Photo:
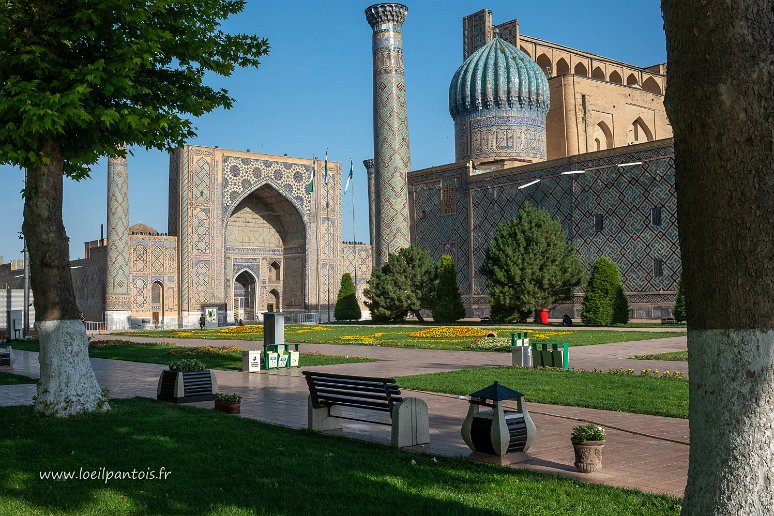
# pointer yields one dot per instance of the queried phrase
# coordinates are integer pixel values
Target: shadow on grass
(225, 464)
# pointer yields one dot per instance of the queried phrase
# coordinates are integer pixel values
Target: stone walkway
(643, 452)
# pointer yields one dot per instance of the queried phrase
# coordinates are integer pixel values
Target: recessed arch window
(274, 272)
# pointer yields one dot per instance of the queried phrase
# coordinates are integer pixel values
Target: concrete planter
(228, 407)
(588, 455)
(185, 387)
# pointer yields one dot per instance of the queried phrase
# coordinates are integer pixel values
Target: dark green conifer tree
(347, 307)
(448, 305)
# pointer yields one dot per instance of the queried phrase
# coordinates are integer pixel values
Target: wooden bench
(328, 393)
(668, 320)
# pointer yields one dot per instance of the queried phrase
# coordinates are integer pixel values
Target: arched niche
(580, 69)
(544, 62)
(266, 234)
(652, 86)
(615, 77)
(562, 67)
(598, 74)
(639, 132)
(603, 136)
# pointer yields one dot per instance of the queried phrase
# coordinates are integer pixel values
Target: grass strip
(675, 356)
(7, 378)
(222, 464)
(165, 353)
(608, 391)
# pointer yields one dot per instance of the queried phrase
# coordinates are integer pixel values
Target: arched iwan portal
(266, 236)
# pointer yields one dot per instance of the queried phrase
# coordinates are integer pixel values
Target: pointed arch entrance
(265, 245)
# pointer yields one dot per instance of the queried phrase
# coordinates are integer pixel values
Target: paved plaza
(644, 452)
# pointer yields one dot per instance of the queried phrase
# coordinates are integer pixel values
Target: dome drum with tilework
(499, 99)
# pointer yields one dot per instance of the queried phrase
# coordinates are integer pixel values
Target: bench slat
(321, 391)
(348, 402)
(317, 374)
(353, 383)
(393, 391)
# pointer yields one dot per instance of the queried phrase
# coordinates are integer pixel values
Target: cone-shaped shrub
(604, 302)
(447, 306)
(347, 307)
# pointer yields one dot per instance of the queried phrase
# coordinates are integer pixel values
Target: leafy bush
(447, 306)
(347, 307)
(405, 284)
(228, 397)
(186, 365)
(604, 302)
(588, 433)
(679, 312)
(530, 264)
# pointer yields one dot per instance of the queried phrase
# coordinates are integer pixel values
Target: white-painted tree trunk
(732, 406)
(68, 385)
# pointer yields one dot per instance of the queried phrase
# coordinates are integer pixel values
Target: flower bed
(248, 328)
(450, 331)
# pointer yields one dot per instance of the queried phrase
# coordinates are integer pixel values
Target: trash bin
(543, 315)
(548, 354)
(521, 353)
(497, 431)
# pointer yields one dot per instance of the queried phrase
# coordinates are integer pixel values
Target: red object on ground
(543, 315)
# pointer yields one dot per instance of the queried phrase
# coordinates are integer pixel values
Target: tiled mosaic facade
(242, 211)
(392, 156)
(358, 262)
(153, 259)
(117, 284)
(623, 196)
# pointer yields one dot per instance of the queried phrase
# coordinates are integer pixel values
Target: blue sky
(314, 91)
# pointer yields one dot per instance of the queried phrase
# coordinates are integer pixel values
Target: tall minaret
(369, 166)
(391, 138)
(117, 305)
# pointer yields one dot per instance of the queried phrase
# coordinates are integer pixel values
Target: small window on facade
(448, 199)
(655, 216)
(658, 267)
(599, 223)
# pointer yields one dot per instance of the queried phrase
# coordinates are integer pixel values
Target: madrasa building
(583, 136)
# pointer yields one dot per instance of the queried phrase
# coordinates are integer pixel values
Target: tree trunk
(719, 99)
(67, 382)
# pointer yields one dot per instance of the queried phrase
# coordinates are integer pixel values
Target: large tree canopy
(405, 284)
(94, 76)
(80, 79)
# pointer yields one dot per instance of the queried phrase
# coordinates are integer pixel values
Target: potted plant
(229, 403)
(588, 441)
(185, 381)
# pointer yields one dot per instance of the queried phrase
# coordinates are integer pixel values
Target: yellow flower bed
(309, 329)
(249, 328)
(358, 338)
(377, 335)
(450, 331)
(544, 334)
(183, 334)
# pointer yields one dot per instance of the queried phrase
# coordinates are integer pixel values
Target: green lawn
(229, 359)
(14, 379)
(220, 464)
(400, 337)
(672, 355)
(608, 391)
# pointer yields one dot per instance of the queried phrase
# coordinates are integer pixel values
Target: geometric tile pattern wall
(153, 259)
(358, 262)
(392, 157)
(439, 232)
(623, 195)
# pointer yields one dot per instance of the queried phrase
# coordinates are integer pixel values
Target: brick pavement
(643, 452)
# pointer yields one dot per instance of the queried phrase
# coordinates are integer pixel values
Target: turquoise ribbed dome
(499, 100)
(497, 76)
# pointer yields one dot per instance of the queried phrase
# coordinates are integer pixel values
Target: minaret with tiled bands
(392, 156)
(117, 303)
(369, 166)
